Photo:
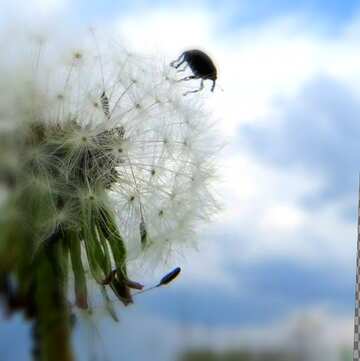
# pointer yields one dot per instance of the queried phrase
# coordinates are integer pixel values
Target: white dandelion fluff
(102, 145)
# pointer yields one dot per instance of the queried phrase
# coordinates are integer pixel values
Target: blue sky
(242, 11)
(285, 243)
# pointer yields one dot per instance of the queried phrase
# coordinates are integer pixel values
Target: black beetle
(201, 65)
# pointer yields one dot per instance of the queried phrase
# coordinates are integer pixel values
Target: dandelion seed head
(105, 129)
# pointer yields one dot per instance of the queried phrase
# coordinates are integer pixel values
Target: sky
(283, 249)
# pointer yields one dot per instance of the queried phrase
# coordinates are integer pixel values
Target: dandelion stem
(52, 321)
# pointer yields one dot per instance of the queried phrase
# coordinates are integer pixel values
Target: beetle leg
(183, 69)
(197, 90)
(189, 78)
(181, 62)
(178, 59)
(213, 85)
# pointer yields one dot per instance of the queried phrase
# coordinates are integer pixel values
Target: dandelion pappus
(201, 65)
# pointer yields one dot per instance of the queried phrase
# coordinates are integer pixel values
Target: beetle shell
(201, 64)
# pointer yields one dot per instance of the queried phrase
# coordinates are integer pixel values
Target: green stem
(52, 322)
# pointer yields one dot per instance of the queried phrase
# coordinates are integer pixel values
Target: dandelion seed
(105, 104)
(77, 55)
(170, 276)
(143, 233)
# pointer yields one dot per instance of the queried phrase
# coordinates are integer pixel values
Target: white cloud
(265, 205)
(315, 331)
(256, 64)
(33, 12)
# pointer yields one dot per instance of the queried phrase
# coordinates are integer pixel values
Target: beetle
(201, 65)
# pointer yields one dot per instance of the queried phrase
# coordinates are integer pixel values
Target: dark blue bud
(170, 276)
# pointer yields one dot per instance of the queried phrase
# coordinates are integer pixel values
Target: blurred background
(273, 277)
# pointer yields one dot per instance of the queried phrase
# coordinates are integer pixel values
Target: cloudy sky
(283, 249)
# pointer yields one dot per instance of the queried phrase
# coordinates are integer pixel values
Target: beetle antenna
(176, 61)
